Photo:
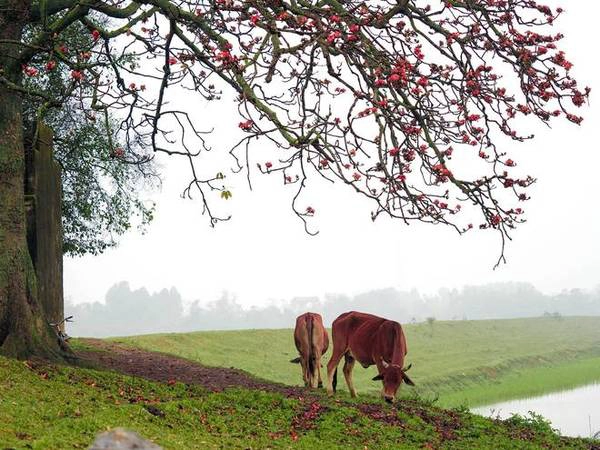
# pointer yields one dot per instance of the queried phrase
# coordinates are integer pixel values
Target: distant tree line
(128, 312)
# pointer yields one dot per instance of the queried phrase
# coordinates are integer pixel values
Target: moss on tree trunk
(24, 330)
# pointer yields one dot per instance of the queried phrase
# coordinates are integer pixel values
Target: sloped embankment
(183, 405)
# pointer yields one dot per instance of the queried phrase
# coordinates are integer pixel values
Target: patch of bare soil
(167, 368)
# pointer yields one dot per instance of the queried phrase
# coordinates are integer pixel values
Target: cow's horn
(407, 368)
(384, 363)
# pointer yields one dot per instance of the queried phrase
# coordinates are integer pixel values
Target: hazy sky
(263, 252)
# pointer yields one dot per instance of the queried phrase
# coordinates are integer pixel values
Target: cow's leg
(336, 356)
(318, 369)
(348, 366)
(305, 374)
(313, 372)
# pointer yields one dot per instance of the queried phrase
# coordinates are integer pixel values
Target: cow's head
(392, 376)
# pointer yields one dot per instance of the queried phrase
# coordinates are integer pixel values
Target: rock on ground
(121, 439)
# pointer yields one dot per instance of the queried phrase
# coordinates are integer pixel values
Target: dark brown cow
(369, 340)
(312, 341)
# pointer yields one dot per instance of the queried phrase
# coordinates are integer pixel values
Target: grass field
(49, 407)
(463, 362)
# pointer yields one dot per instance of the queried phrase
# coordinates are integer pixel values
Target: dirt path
(162, 367)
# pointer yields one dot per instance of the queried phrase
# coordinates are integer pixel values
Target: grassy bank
(52, 407)
(461, 362)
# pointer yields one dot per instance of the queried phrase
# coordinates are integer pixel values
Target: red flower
(333, 36)
(409, 154)
(246, 126)
(418, 53)
(394, 151)
(30, 71)
(310, 210)
(77, 75)
(224, 55)
(356, 176)
(510, 163)
(423, 81)
(172, 60)
(50, 65)
(354, 28)
(442, 171)
(268, 165)
(578, 99)
(95, 35)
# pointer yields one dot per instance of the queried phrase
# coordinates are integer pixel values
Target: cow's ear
(407, 380)
(378, 377)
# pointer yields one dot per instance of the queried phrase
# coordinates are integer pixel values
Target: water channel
(575, 412)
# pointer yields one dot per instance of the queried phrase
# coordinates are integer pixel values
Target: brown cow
(312, 341)
(369, 340)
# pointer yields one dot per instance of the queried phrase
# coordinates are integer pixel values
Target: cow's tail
(312, 358)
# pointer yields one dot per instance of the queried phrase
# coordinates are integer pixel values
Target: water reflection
(575, 412)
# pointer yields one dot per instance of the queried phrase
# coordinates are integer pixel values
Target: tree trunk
(24, 330)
